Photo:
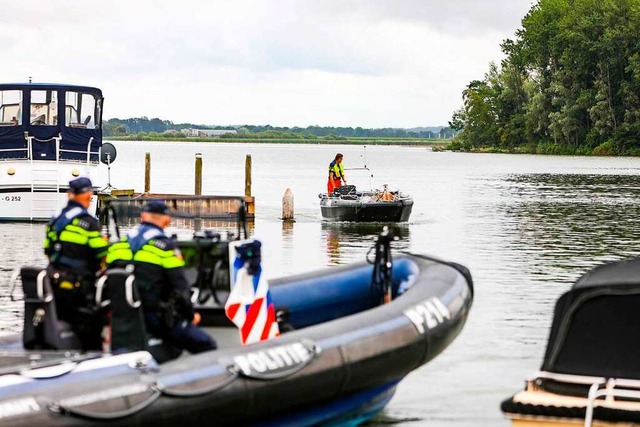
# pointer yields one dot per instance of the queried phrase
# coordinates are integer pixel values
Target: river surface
(527, 227)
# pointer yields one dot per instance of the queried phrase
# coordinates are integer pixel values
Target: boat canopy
(596, 325)
(41, 121)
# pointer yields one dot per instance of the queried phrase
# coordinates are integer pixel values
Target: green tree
(570, 78)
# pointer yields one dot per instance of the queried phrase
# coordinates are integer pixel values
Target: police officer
(76, 252)
(160, 278)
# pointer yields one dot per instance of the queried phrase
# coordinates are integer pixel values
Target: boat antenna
(364, 149)
(364, 156)
(30, 79)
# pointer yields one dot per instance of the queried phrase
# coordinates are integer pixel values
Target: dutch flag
(249, 305)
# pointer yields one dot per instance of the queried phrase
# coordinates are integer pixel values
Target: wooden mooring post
(249, 200)
(198, 186)
(247, 176)
(147, 172)
(287, 205)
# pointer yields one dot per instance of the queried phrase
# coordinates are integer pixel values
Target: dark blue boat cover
(73, 139)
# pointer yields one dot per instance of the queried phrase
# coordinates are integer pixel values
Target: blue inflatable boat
(348, 336)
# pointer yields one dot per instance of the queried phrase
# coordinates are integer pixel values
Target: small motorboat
(348, 335)
(49, 134)
(590, 375)
(348, 204)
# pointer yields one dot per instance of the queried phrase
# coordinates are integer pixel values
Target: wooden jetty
(197, 206)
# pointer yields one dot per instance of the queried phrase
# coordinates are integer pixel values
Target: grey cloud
(122, 43)
(327, 35)
(454, 16)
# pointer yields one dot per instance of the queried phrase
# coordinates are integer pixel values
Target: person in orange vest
(336, 174)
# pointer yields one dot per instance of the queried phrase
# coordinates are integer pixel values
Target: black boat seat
(128, 331)
(42, 328)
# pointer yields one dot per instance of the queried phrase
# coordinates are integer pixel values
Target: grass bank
(546, 148)
(318, 140)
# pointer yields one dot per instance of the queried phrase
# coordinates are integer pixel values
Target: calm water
(526, 226)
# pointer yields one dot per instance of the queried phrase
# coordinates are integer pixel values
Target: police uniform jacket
(73, 242)
(159, 269)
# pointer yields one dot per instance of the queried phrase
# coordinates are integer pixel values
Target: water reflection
(525, 228)
(287, 230)
(346, 242)
(574, 220)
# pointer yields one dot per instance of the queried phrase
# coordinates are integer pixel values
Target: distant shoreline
(416, 142)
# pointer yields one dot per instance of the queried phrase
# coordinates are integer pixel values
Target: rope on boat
(158, 390)
(232, 369)
(44, 140)
(65, 410)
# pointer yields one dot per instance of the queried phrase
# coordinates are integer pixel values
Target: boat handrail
(44, 294)
(582, 379)
(30, 140)
(59, 151)
(26, 149)
(609, 393)
(12, 284)
(8, 150)
(628, 388)
(565, 378)
(88, 152)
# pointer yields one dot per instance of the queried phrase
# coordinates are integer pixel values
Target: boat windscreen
(10, 107)
(82, 110)
(44, 108)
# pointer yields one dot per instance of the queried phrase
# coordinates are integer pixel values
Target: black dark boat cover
(596, 325)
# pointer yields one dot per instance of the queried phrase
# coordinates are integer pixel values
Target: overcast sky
(368, 63)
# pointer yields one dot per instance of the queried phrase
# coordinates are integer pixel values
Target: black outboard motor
(381, 281)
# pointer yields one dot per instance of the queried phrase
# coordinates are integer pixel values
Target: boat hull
(36, 190)
(336, 209)
(537, 407)
(339, 363)
(563, 412)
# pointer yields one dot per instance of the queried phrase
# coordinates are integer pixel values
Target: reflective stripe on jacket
(158, 268)
(336, 170)
(70, 235)
(148, 244)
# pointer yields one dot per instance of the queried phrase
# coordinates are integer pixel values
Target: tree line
(132, 126)
(569, 84)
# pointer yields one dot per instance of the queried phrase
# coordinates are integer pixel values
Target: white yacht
(49, 134)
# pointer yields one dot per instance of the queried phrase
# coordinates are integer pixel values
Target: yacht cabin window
(10, 107)
(44, 108)
(81, 111)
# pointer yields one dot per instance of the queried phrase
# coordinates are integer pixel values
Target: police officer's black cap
(156, 206)
(80, 185)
